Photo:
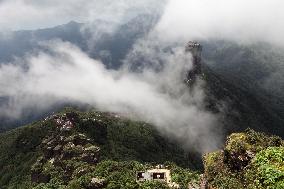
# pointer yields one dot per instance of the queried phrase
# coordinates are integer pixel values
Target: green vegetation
(267, 169)
(249, 160)
(18, 151)
(74, 150)
(102, 150)
(183, 176)
(122, 174)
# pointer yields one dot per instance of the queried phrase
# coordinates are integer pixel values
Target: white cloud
(33, 14)
(159, 97)
(240, 20)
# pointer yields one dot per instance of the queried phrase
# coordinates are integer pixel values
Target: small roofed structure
(192, 44)
(161, 175)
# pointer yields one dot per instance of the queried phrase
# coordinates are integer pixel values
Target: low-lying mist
(158, 96)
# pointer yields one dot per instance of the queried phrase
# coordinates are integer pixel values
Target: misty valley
(125, 95)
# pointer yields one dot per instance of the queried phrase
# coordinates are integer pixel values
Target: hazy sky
(33, 14)
(243, 20)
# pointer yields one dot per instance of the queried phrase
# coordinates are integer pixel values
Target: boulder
(97, 183)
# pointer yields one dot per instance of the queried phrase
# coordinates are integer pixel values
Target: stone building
(162, 175)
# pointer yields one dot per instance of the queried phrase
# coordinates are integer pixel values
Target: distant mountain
(256, 68)
(121, 41)
(21, 42)
(241, 108)
(115, 44)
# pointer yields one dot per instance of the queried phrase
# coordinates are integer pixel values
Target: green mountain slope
(257, 68)
(69, 149)
(93, 149)
(240, 107)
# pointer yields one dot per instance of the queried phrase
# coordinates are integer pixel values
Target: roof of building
(192, 44)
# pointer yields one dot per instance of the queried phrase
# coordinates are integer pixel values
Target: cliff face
(240, 108)
(195, 49)
(255, 67)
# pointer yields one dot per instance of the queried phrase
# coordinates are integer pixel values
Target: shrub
(267, 169)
